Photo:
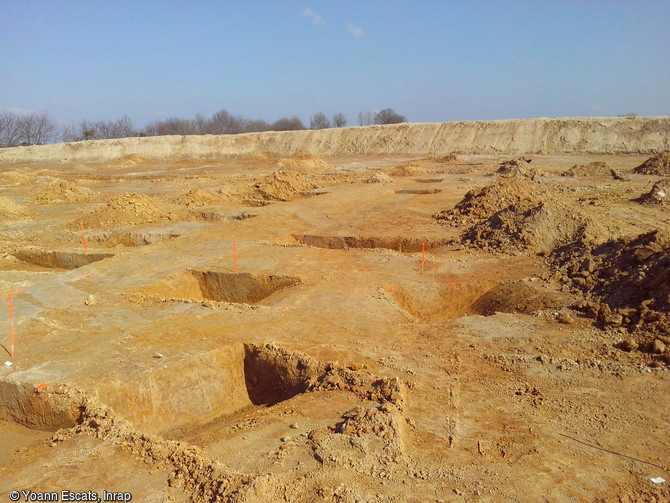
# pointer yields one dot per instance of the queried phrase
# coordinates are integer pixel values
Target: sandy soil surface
(352, 328)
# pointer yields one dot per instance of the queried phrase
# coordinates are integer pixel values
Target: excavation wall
(644, 135)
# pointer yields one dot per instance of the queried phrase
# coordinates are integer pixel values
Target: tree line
(39, 127)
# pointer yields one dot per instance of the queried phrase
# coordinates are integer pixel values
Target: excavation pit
(198, 389)
(37, 407)
(396, 243)
(428, 180)
(418, 191)
(131, 238)
(200, 285)
(456, 299)
(441, 302)
(60, 259)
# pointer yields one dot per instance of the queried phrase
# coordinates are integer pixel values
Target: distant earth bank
(621, 135)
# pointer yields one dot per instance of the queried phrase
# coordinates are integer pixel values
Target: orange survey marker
(83, 236)
(11, 321)
(423, 258)
(234, 254)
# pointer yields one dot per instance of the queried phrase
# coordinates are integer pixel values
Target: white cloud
(316, 19)
(355, 30)
(20, 111)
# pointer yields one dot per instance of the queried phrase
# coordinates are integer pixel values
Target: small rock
(657, 347)
(629, 345)
(614, 319)
(617, 175)
(294, 426)
(90, 301)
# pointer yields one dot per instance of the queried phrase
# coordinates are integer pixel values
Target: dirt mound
(201, 197)
(445, 159)
(63, 191)
(15, 178)
(131, 160)
(657, 165)
(628, 281)
(378, 178)
(9, 209)
(283, 185)
(596, 168)
(659, 195)
(519, 168)
(304, 162)
(518, 297)
(483, 202)
(408, 169)
(538, 228)
(131, 209)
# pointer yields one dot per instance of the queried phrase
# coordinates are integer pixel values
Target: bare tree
(31, 129)
(319, 121)
(69, 133)
(170, 126)
(286, 124)
(388, 116)
(105, 130)
(339, 120)
(365, 119)
(9, 131)
(200, 124)
(223, 122)
(256, 126)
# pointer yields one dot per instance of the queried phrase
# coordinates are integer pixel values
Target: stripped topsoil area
(431, 327)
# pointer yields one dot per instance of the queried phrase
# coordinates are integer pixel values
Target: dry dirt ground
(330, 329)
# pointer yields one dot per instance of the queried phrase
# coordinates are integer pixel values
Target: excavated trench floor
(58, 259)
(199, 285)
(219, 400)
(399, 244)
(418, 191)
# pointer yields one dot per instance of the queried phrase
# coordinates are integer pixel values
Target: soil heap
(131, 209)
(537, 229)
(483, 202)
(15, 178)
(408, 169)
(9, 209)
(283, 185)
(130, 160)
(63, 191)
(657, 165)
(516, 214)
(520, 168)
(659, 195)
(378, 178)
(596, 168)
(201, 197)
(445, 159)
(518, 297)
(628, 281)
(304, 162)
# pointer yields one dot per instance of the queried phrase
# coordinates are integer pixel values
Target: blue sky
(431, 61)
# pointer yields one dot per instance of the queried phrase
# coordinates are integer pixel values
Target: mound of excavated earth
(484, 202)
(131, 209)
(657, 165)
(628, 280)
(659, 195)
